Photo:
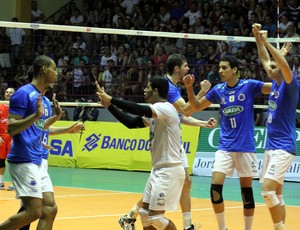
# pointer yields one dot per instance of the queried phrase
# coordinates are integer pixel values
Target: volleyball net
(121, 60)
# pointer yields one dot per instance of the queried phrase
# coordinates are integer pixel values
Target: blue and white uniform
(237, 145)
(25, 157)
(281, 130)
(174, 94)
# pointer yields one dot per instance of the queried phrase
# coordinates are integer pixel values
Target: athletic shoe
(2, 187)
(126, 223)
(11, 187)
(194, 227)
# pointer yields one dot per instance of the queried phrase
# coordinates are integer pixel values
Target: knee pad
(2, 163)
(144, 214)
(159, 222)
(280, 198)
(216, 191)
(248, 199)
(270, 198)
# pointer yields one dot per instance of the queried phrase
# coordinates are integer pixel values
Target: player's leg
(248, 201)
(49, 205)
(247, 168)
(26, 227)
(49, 212)
(273, 182)
(2, 169)
(127, 221)
(185, 201)
(216, 195)
(223, 165)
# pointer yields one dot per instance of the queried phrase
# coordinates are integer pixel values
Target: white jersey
(165, 135)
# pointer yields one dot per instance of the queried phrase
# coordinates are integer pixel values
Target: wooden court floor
(98, 209)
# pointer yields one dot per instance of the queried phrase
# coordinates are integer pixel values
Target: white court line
(79, 195)
(120, 214)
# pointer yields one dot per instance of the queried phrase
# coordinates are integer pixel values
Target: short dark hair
(39, 62)
(174, 60)
(232, 60)
(161, 84)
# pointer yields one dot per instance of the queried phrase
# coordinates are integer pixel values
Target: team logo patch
(161, 200)
(241, 97)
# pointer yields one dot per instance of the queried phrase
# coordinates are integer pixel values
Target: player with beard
(27, 119)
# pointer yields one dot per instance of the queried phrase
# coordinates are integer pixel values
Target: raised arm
(17, 124)
(197, 105)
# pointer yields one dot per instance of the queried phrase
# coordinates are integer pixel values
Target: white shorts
(184, 158)
(30, 180)
(275, 165)
(163, 189)
(244, 163)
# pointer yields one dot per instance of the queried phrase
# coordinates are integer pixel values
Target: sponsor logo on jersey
(233, 110)
(272, 105)
(40, 124)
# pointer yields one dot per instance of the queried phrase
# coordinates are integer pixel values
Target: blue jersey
(281, 125)
(27, 146)
(48, 111)
(174, 93)
(236, 110)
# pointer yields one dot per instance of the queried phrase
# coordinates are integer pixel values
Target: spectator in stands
(80, 55)
(192, 14)
(95, 58)
(177, 10)
(213, 75)
(17, 38)
(107, 56)
(46, 42)
(107, 76)
(261, 12)
(21, 77)
(79, 43)
(226, 23)
(293, 7)
(217, 12)
(65, 115)
(291, 32)
(76, 19)
(164, 15)
(4, 49)
(205, 9)
(37, 16)
(284, 24)
(78, 79)
(243, 26)
(88, 113)
(160, 56)
(270, 27)
(128, 5)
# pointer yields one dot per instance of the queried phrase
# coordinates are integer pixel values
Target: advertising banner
(208, 144)
(111, 145)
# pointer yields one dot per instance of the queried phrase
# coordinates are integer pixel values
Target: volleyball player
(280, 148)
(5, 139)
(167, 171)
(236, 149)
(26, 122)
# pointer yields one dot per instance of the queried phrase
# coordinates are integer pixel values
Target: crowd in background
(123, 64)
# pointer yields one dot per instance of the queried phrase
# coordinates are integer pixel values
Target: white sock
(1, 178)
(134, 212)
(277, 225)
(187, 219)
(248, 220)
(221, 220)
